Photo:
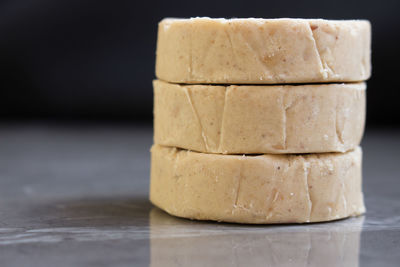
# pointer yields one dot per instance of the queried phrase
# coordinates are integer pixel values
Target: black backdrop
(95, 59)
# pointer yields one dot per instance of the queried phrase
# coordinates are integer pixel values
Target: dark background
(94, 60)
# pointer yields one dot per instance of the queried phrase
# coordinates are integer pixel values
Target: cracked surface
(203, 135)
(324, 67)
(263, 51)
(235, 204)
(257, 189)
(285, 108)
(306, 167)
(259, 119)
(221, 128)
(337, 128)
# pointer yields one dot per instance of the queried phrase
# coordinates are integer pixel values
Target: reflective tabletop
(77, 195)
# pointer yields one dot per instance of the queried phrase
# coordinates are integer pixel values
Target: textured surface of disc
(263, 51)
(259, 119)
(257, 189)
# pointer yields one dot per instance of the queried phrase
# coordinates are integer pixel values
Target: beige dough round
(263, 51)
(256, 189)
(255, 119)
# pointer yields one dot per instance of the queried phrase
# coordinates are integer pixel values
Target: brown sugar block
(263, 51)
(246, 119)
(257, 189)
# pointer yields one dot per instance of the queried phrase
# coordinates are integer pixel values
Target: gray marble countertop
(76, 195)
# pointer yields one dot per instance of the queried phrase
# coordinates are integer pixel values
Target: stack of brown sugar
(259, 120)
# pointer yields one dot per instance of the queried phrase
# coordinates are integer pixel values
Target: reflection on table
(180, 242)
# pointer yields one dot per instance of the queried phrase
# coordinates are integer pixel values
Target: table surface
(77, 195)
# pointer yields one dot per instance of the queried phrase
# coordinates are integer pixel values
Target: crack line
(190, 55)
(204, 137)
(339, 134)
(306, 167)
(222, 122)
(324, 66)
(238, 187)
(284, 121)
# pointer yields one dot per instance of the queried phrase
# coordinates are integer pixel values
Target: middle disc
(257, 119)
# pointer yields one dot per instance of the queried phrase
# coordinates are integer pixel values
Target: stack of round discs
(259, 120)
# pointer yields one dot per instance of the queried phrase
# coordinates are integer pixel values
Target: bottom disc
(257, 188)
